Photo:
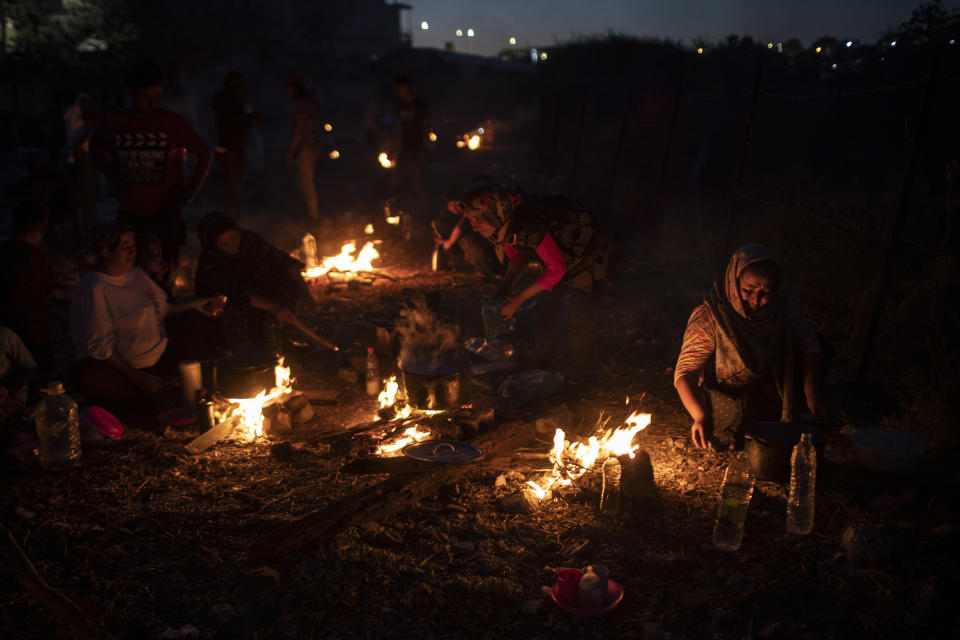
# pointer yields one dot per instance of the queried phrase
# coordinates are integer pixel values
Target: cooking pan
(768, 446)
(244, 375)
(432, 391)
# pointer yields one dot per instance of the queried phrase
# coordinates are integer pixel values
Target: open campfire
(573, 460)
(348, 263)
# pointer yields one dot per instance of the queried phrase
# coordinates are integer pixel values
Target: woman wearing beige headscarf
(744, 351)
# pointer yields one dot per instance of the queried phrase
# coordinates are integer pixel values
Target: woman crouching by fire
(261, 284)
(748, 351)
(574, 251)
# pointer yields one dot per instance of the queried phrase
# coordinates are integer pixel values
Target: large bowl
(888, 450)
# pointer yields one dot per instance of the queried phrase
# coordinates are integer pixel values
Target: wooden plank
(380, 500)
(209, 438)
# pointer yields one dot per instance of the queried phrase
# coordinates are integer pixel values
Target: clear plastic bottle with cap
(373, 372)
(735, 495)
(610, 492)
(58, 429)
(803, 483)
(592, 590)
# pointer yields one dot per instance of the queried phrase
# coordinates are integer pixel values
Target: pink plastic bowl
(103, 421)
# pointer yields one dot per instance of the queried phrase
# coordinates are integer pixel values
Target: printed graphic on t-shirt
(142, 157)
(156, 311)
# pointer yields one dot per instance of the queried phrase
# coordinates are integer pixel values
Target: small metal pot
(244, 375)
(768, 446)
(432, 392)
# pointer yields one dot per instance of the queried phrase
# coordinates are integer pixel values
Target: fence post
(662, 179)
(553, 139)
(576, 148)
(889, 264)
(744, 156)
(616, 154)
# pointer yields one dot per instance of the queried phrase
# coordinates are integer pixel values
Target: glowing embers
(248, 412)
(572, 460)
(346, 262)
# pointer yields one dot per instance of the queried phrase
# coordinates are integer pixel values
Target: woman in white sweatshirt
(117, 324)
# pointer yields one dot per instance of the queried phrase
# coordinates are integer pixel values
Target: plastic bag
(520, 388)
(494, 325)
(490, 350)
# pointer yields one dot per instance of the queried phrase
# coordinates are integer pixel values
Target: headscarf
(212, 226)
(494, 201)
(752, 347)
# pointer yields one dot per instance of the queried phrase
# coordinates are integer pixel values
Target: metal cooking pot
(433, 392)
(244, 375)
(768, 446)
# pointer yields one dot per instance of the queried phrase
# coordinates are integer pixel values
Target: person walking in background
(305, 142)
(410, 145)
(80, 118)
(142, 151)
(232, 120)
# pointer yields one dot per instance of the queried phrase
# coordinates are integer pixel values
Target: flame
(410, 435)
(388, 396)
(345, 261)
(368, 229)
(618, 441)
(385, 160)
(473, 142)
(572, 460)
(538, 492)
(248, 412)
(393, 220)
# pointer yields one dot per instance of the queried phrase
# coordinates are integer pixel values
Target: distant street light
(849, 43)
(818, 49)
(513, 40)
(543, 56)
(470, 33)
(424, 25)
(700, 50)
(459, 33)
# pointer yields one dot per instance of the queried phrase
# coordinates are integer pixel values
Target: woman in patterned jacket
(574, 251)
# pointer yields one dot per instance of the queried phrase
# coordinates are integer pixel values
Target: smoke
(428, 345)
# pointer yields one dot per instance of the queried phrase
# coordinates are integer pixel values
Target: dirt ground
(150, 540)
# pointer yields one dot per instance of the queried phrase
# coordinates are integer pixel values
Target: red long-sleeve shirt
(554, 266)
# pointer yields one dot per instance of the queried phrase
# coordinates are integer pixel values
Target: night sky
(542, 22)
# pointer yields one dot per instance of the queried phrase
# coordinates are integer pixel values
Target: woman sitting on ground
(261, 284)
(744, 352)
(117, 323)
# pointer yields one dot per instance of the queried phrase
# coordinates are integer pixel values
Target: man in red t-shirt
(142, 151)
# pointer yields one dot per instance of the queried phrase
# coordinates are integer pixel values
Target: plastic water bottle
(591, 590)
(610, 493)
(308, 245)
(373, 373)
(58, 429)
(803, 482)
(735, 498)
